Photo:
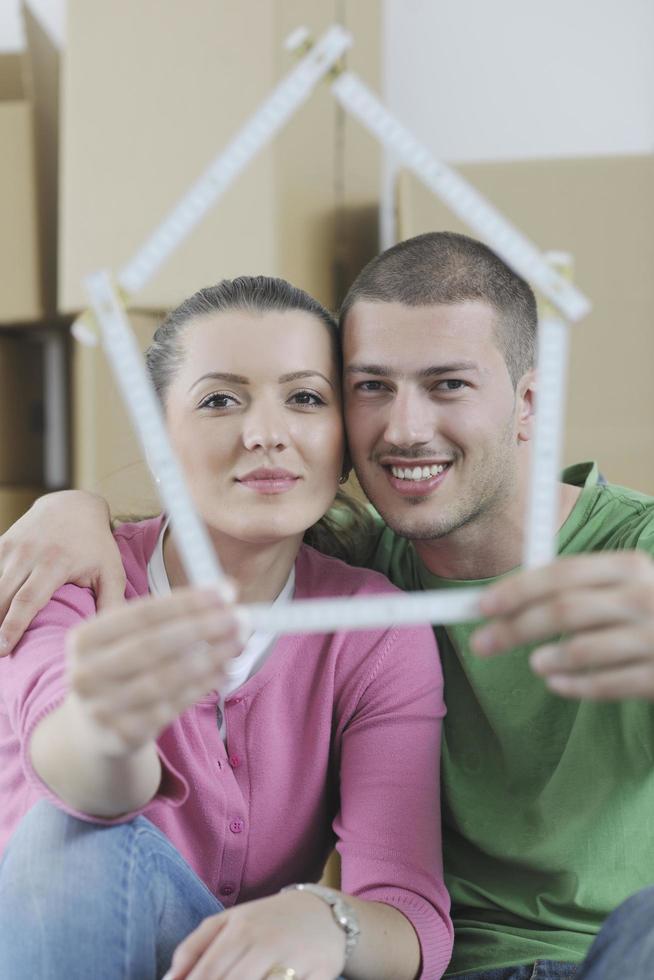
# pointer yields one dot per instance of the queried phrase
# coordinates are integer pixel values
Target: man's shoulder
(611, 517)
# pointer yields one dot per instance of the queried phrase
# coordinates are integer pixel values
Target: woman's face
(254, 415)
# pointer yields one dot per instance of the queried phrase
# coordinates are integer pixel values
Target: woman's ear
(525, 403)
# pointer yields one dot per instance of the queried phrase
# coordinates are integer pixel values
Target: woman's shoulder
(136, 541)
(318, 575)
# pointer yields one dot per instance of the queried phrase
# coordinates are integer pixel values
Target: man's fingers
(563, 575)
(632, 681)
(594, 650)
(109, 588)
(574, 612)
(27, 600)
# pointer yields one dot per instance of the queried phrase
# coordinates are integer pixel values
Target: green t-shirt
(548, 804)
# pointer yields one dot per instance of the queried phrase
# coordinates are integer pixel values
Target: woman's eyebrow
(240, 379)
(234, 379)
(298, 375)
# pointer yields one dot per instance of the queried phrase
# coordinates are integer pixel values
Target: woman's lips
(268, 481)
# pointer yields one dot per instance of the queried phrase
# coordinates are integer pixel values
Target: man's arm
(63, 537)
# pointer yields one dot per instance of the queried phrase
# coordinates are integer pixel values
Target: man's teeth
(417, 472)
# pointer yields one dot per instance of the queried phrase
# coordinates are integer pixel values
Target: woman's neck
(259, 571)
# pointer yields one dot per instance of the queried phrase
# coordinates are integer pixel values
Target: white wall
(51, 13)
(512, 79)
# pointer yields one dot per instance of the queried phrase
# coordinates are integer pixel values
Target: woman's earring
(343, 478)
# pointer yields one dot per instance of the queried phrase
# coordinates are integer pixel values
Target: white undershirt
(258, 647)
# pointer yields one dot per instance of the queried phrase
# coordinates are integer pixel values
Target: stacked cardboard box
(140, 121)
(21, 288)
(601, 210)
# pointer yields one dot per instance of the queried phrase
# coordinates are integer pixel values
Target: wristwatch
(344, 915)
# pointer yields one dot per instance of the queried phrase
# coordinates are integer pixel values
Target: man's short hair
(444, 267)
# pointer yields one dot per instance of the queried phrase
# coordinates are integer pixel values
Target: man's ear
(525, 400)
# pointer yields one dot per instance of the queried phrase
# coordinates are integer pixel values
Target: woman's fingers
(149, 651)
(112, 625)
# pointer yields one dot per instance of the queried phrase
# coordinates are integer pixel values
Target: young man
(548, 782)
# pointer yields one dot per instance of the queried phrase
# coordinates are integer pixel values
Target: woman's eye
(218, 401)
(309, 398)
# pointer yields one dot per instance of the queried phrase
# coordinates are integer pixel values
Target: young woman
(163, 779)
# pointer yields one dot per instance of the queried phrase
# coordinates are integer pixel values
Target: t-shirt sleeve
(388, 827)
(33, 684)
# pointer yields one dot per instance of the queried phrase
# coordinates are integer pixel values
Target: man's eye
(218, 400)
(369, 386)
(451, 384)
(309, 398)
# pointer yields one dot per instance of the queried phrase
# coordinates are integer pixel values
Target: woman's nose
(264, 428)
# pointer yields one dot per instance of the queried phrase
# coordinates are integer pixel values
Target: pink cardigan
(335, 738)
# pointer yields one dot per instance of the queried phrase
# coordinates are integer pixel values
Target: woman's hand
(294, 930)
(63, 537)
(134, 669)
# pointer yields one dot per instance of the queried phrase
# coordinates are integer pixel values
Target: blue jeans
(623, 950)
(78, 900)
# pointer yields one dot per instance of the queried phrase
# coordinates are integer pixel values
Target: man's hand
(293, 930)
(602, 607)
(63, 537)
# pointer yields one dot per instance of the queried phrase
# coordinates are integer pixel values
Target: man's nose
(410, 420)
(264, 427)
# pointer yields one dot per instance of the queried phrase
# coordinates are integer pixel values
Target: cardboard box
(602, 211)
(21, 409)
(20, 289)
(107, 456)
(14, 501)
(134, 139)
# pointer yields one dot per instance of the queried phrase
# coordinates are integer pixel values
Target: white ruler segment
(198, 555)
(544, 491)
(460, 196)
(331, 615)
(273, 113)
(196, 549)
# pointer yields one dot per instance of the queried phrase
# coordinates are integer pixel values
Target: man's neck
(488, 546)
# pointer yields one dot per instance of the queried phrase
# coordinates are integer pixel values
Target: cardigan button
(236, 826)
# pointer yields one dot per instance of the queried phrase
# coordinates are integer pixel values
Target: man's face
(433, 420)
